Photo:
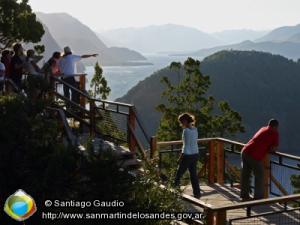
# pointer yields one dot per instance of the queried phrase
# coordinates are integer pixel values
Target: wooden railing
(114, 121)
(218, 166)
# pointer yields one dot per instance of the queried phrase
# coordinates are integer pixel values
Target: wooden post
(92, 118)
(82, 88)
(221, 218)
(211, 166)
(220, 162)
(131, 123)
(153, 147)
(266, 176)
(210, 218)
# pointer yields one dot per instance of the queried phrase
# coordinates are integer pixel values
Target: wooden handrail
(206, 140)
(283, 199)
(232, 206)
(112, 103)
(71, 87)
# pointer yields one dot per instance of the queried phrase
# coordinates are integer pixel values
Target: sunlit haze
(206, 15)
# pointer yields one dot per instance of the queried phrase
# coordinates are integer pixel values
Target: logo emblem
(20, 206)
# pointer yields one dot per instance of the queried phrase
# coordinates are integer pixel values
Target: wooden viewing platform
(220, 200)
(217, 196)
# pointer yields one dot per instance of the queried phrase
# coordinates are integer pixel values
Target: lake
(122, 78)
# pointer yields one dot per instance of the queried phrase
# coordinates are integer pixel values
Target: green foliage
(39, 49)
(295, 182)
(99, 84)
(189, 95)
(36, 87)
(34, 157)
(18, 23)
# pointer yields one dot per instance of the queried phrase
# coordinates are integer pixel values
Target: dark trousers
(250, 165)
(75, 96)
(189, 162)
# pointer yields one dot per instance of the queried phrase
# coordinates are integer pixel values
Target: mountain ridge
(258, 85)
(71, 32)
(161, 38)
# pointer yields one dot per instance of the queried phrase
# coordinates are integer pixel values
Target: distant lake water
(122, 78)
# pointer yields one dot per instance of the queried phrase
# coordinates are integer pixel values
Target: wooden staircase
(82, 118)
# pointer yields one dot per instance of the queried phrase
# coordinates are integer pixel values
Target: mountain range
(163, 38)
(290, 50)
(257, 85)
(283, 34)
(66, 30)
(174, 38)
(236, 36)
(114, 46)
(283, 41)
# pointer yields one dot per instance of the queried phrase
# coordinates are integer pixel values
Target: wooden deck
(217, 195)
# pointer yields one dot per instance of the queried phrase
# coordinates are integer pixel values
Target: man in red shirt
(264, 141)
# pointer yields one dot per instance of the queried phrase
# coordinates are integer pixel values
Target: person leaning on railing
(68, 69)
(190, 152)
(264, 141)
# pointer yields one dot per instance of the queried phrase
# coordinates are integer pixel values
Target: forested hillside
(257, 85)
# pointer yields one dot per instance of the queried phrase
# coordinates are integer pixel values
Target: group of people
(252, 156)
(15, 64)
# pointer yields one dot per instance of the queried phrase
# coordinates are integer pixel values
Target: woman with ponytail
(190, 152)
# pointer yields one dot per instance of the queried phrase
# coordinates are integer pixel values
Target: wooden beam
(220, 162)
(221, 217)
(153, 147)
(211, 167)
(266, 178)
(92, 118)
(210, 217)
(82, 83)
(268, 201)
(278, 185)
(131, 128)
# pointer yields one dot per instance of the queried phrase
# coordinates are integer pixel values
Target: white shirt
(68, 64)
(2, 71)
(190, 141)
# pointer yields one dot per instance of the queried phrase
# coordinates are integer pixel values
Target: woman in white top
(190, 152)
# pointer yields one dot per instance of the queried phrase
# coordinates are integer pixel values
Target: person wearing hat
(68, 69)
(264, 141)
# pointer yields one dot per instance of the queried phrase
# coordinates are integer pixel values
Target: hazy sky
(206, 15)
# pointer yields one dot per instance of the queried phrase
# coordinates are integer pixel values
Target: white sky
(206, 15)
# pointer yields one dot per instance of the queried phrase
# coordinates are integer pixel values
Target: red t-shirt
(259, 146)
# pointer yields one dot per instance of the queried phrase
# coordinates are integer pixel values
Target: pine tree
(99, 84)
(190, 95)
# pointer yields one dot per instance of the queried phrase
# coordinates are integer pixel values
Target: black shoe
(197, 196)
